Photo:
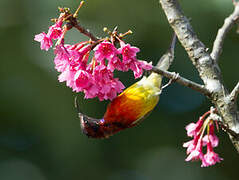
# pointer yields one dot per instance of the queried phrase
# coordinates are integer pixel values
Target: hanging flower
(93, 76)
(195, 146)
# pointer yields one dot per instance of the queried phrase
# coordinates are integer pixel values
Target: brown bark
(208, 69)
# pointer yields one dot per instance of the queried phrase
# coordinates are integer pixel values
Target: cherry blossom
(211, 157)
(46, 42)
(89, 66)
(195, 146)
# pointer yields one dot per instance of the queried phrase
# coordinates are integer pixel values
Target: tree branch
(234, 93)
(194, 47)
(85, 32)
(222, 32)
(165, 62)
(182, 81)
(208, 69)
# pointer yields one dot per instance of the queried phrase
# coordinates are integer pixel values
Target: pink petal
(128, 51)
(212, 158)
(105, 50)
(213, 139)
(46, 43)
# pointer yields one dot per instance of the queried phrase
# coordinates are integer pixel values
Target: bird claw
(175, 77)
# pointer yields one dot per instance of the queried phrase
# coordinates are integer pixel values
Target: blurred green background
(40, 135)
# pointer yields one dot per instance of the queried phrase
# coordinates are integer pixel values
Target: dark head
(99, 128)
(91, 127)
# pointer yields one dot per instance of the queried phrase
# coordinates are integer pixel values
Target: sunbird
(131, 106)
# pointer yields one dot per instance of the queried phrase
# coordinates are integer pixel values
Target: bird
(131, 106)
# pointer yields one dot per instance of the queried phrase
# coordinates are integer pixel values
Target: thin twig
(183, 81)
(234, 93)
(222, 32)
(85, 32)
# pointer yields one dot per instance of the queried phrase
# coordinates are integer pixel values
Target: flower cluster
(55, 32)
(94, 76)
(195, 146)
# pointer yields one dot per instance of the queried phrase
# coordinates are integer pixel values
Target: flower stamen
(78, 9)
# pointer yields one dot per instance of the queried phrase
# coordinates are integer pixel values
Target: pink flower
(95, 77)
(138, 66)
(128, 52)
(102, 74)
(82, 80)
(45, 41)
(62, 58)
(72, 64)
(190, 145)
(195, 146)
(116, 87)
(204, 162)
(55, 31)
(68, 76)
(196, 153)
(115, 63)
(213, 139)
(130, 61)
(193, 128)
(105, 50)
(211, 157)
(128, 56)
(108, 85)
(110, 90)
(91, 91)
